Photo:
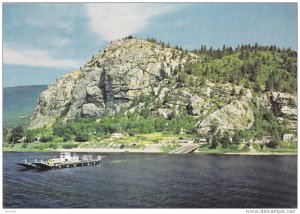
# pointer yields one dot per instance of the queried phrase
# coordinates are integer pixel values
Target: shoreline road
(185, 149)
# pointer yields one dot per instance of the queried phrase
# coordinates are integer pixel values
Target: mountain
(19, 103)
(229, 91)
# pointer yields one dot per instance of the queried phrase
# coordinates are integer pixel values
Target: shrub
(30, 136)
(53, 146)
(213, 144)
(272, 144)
(82, 137)
(233, 147)
(225, 141)
(237, 137)
(66, 138)
(45, 139)
(69, 146)
(133, 131)
(183, 77)
(41, 146)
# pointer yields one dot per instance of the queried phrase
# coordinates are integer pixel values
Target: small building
(287, 137)
(184, 141)
(117, 136)
(200, 140)
(165, 142)
(22, 140)
(196, 140)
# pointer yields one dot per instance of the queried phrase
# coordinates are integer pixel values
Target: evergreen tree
(255, 71)
(215, 140)
(225, 140)
(270, 83)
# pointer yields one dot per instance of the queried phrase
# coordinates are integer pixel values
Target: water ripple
(155, 180)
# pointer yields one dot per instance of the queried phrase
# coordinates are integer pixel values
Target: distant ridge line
(21, 86)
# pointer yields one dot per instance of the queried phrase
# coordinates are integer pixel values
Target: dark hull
(42, 166)
(27, 165)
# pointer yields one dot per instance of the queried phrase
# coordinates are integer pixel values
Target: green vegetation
(265, 124)
(38, 146)
(258, 68)
(283, 147)
(19, 103)
(91, 134)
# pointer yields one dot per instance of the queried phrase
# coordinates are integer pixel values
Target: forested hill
(138, 86)
(261, 68)
(217, 88)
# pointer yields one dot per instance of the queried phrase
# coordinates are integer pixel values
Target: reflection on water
(155, 180)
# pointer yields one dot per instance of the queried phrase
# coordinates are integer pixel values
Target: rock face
(54, 102)
(124, 70)
(283, 105)
(235, 116)
(136, 75)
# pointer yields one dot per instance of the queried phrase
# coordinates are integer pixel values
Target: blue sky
(41, 42)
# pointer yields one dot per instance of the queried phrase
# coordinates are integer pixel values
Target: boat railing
(32, 161)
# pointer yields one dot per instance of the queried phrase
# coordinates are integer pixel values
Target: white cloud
(49, 16)
(36, 58)
(116, 20)
(46, 22)
(54, 42)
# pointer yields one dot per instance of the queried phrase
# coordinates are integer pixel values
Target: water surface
(155, 181)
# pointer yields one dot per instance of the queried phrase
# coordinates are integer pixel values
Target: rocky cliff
(283, 105)
(135, 75)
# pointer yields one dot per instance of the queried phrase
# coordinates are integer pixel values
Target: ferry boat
(28, 164)
(66, 160)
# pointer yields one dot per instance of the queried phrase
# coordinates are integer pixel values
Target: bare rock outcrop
(140, 76)
(282, 104)
(111, 80)
(237, 115)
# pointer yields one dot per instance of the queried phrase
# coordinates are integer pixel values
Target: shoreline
(152, 150)
(257, 153)
(110, 150)
(157, 151)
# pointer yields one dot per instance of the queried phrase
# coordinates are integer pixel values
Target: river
(154, 181)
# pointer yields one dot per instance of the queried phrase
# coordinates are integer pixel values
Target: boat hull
(27, 165)
(44, 166)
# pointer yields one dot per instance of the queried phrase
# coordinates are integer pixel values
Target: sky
(43, 41)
